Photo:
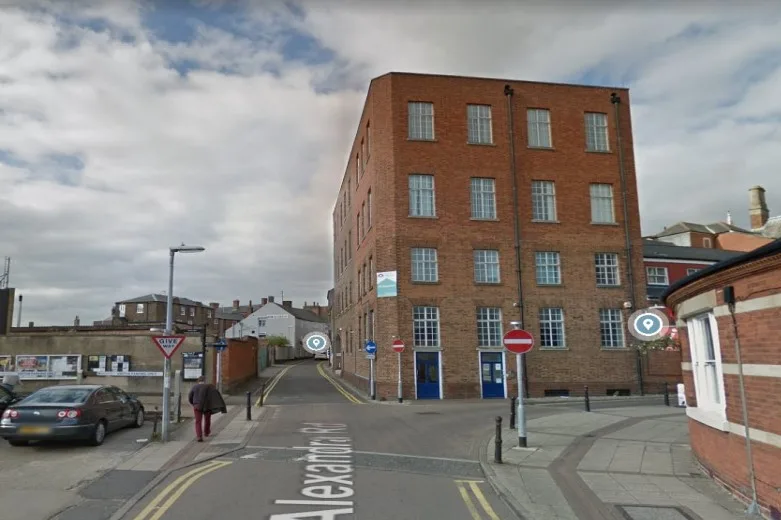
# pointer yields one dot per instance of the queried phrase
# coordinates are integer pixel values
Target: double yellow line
(157, 508)
(479, 496)
(350, 397)
(274, 381)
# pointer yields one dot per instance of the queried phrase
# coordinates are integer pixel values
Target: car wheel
(139, 422)
(99, 433)
(18, 443)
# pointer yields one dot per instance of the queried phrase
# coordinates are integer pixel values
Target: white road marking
(422, 457)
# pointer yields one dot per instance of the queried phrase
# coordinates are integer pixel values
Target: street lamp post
(169, 330)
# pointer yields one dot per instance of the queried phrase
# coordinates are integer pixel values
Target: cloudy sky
(126, 128)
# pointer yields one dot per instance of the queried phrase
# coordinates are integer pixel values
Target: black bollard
(249, 406)
(512, 413)
(498, 441)
(666, 394)
(587, 401)
(262, 392)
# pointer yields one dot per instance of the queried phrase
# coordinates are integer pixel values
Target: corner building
(428, 193)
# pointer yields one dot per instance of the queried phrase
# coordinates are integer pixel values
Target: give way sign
(168, 344)
(518, 341)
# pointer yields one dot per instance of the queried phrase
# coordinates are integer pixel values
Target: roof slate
(660, 250)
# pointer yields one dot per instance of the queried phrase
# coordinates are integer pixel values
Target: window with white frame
(421, 196)
(611, 328)
(192, 312)
(369, 207)
(606, 266)
(691, 270)
(370, 273)
(479, 124)
(489, 327)
(261, 322)
(656, 276)
(706, 362)
(602, 208)
(596, 132)
(483, 198)
(424, 264)
(182, 310)
(538, 121)
(552, 328)
(706, 242)
(421, 120)
(139, 308)
(486, 265)
(543, 201)
(548, 266)
(425, 325)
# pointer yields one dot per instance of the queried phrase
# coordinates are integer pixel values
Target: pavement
(623, 463)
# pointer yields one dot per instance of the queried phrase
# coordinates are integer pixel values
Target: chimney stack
(287, 303)
(76, 322)
(250, 307)
(263, 301)
(214, 305)
(757, 208)
(235, 305)
(271, 299)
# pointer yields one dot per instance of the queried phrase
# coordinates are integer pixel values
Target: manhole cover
(428, 413)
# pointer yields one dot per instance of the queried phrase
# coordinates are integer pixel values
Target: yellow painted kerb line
(350, 397)
(274, 382)
(478, 494)
(175, 489)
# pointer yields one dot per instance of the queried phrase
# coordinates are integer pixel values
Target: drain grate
(653, 513)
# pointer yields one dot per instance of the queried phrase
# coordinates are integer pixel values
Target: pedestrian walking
(205, 400)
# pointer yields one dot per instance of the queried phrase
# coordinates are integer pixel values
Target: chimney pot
(263, 301)
(76, 322)
(250, 306)
(31, 324)
(271, 299)
(287, 303)
(235, 305)
(757, 209)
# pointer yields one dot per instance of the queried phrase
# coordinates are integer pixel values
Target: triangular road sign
(168, 344)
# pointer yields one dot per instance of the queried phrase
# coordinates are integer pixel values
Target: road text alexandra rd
(328, 476)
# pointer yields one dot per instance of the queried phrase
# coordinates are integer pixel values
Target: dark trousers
(206, 429)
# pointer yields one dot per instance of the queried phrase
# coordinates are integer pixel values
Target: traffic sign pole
(398, 346)
(519, 342)
(521, 409)
(401, 399)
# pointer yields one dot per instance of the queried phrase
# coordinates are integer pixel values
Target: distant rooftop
(162, 298)
(711, 229)
(658, 249)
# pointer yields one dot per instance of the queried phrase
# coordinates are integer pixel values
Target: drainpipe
(508, 93)
(616, 100)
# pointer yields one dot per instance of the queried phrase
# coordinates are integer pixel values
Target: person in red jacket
(205, 400)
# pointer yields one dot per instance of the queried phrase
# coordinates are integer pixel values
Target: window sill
(606, 152)
(491, 349)
(431, 217)
(417, 282)
(541, 148)
(614, 349)
(421, 140)
(555, 285)
(535, 221)
(477, 219)
(489, 284)
(481, 144)
(604, 223)
(554, 349)
(426, 349)
(709, 418)
(609, 286)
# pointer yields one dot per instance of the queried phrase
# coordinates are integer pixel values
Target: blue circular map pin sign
(648, 324)
(316, 342)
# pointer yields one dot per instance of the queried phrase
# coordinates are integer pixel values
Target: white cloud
(244, 153)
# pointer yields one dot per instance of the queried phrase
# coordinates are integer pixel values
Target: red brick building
(712, 367)
(428, 195)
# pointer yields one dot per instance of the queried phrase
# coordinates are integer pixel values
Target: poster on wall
(6, 364)
(64, 367)
(32, 367)
(192, 364)
(48, 367)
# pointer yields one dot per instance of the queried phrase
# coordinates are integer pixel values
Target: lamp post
(169, 330)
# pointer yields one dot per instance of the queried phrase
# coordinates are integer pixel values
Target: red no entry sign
(518, 341)
(398, 345)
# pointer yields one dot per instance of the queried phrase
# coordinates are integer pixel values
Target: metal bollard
(154, 424)
(666, 394)
(262, 392)
(498, 441)
(249, 406)
(512, 413)
(587, 401)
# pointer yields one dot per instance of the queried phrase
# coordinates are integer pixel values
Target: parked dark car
(72, 412)
(7, 398)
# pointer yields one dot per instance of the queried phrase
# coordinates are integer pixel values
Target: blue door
(428, 374)
(492, 375)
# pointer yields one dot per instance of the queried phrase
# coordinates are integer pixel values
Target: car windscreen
(57, 396)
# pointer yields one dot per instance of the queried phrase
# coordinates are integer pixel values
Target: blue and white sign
(220, 345)
(648, 324)
(371, 347)
(316, 342)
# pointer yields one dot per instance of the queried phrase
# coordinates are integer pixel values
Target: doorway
(427, 372)
(492, 374)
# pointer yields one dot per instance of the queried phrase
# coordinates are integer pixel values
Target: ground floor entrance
(492, 374)
(427, 375)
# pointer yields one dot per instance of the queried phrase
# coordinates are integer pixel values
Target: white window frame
(369, 207)
(426, 316)
(479, 124)
(706, 367)
(421, 192)
(543, 201)
(424, 265)
(600, 194)
(489, 327)
(650, 273)
(547, 263)
(611, 324)
(597, 139)
(482, 198)
(606, 267)
(550, 317)
(539, 128)
(691, 270)
(139, 308)
(486, 262)
(420, 121)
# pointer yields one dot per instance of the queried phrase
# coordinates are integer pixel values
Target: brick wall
(239, 362)
(723, 454)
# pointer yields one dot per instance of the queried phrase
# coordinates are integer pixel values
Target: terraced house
(428, 204)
